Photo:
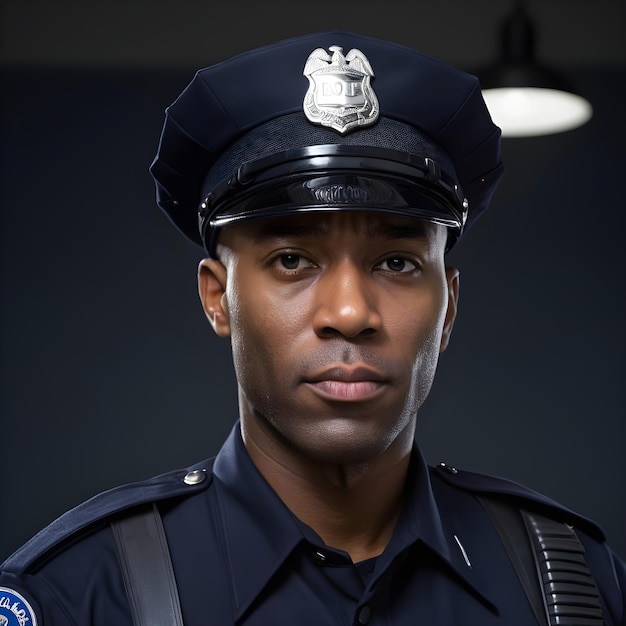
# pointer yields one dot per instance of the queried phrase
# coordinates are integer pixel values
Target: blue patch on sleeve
(15, 610)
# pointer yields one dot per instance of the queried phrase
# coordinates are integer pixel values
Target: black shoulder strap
(510, 526)
(147, 569)
(548, 559)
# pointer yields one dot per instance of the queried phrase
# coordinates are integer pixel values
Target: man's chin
(349, 442)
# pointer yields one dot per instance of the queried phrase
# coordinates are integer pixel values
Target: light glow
(531, 111)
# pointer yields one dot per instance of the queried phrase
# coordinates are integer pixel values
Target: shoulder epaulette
(525, 498)
(106, 505)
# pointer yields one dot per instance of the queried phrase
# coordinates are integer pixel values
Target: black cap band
(334, 177)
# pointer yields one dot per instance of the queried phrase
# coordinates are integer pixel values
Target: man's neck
(353, 508)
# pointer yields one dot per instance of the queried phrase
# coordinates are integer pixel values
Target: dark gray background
(109, 372)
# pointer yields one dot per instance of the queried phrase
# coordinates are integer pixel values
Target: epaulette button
(448, 468)
(195, 477)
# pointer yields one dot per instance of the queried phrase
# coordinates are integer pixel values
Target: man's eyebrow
(287, 229)
(412, 230)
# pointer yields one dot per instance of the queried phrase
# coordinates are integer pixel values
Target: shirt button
(365, 614)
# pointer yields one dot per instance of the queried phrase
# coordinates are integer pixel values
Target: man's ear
(212, 291)
(452, 279)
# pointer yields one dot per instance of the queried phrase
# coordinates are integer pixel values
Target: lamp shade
(524, 97)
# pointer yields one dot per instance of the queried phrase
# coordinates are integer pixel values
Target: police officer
(326, 177)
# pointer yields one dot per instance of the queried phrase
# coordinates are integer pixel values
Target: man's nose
(347, 303)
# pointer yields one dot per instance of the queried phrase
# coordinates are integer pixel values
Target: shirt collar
(424, 520)
(254, 521)
(259, 531)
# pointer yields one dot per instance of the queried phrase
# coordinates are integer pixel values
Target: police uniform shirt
(241, 557)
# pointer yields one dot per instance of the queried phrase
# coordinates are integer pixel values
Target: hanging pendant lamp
(524, 97)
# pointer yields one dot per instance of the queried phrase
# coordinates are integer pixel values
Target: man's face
(336, 321)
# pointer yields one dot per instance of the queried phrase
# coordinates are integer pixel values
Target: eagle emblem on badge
(340, 95)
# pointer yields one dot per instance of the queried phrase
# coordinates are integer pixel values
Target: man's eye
(290, 261)
(398, 264)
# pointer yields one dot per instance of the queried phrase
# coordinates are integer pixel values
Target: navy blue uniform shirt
(241, 557)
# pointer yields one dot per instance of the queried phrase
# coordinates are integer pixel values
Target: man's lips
(352, 384)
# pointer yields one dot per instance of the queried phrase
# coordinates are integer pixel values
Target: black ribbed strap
(570, 592)
(147, 569)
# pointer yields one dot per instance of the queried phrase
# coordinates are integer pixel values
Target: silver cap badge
(340, 94)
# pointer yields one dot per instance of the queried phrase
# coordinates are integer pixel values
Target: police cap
(323, 122)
